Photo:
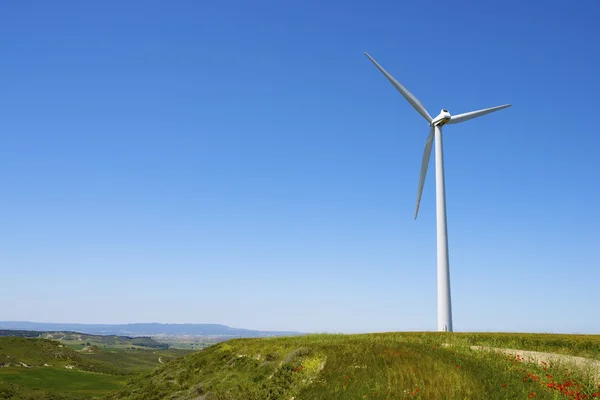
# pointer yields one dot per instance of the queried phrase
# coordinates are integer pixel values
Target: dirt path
(584, 364)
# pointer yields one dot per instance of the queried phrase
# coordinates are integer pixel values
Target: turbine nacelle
(442, 118)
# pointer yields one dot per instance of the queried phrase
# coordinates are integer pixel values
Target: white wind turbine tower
(443, 268)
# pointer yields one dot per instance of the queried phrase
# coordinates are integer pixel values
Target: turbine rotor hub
(442, 118)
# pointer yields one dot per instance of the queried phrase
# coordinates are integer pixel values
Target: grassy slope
(18, 392)
(92, 374)
(63, 381)
(374, 366)
(37, 352)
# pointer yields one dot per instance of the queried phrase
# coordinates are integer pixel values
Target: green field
(198, 343)
(372, 366)
(63, 380)
(48, 369)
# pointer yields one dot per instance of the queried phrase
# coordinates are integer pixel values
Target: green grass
(191, 345)
(578, 345)
(46, 375)
(78, 341)
(373, 366)
(63, 380)
(37, 352)
(135, 361)
(18, 392)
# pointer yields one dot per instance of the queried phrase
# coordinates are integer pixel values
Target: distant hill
(144, 329)
(76, 338)
(28, 352)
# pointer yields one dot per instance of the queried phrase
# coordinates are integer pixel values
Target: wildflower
(531, 395)
(504, 385)
(458, 366)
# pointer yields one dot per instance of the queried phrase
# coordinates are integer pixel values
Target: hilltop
(372, 366)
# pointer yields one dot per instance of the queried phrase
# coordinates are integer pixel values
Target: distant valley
(145, 329)
(58, 361)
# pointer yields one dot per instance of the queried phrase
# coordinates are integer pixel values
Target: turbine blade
(455, 119)
(424, 165)
(407, 95)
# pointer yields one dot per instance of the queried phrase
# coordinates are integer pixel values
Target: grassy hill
(25, 352)
(373, 366)
(47, 369)
(18, 392)
(78, 340)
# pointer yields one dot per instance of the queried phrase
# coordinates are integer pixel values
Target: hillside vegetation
(372, 366)
(28, 353)
(78, 340)
(18, 392)
(47, 369)
(23, 352)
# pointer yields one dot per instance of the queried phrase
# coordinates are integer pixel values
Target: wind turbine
(435, 131)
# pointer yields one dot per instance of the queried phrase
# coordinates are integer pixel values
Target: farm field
(193, 343)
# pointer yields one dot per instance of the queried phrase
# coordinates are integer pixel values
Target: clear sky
(242, 162)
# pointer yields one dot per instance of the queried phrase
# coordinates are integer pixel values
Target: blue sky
(244, 163)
